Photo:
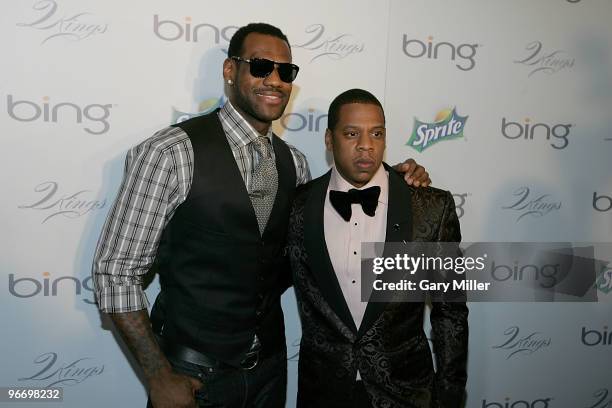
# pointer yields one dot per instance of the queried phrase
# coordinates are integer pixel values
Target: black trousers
(264, 386)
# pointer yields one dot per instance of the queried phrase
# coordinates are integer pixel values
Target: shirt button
(355, 223)
(354, 252)
(353, 280)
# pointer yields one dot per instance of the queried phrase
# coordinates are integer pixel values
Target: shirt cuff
(121, 299)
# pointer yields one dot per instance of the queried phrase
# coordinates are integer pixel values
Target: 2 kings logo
(547, 62)
(51, 372)
(94, 117)
(51, 287)
(57, 25)
(531, 205)
(518, 344)
(602, 398)
(54, 204)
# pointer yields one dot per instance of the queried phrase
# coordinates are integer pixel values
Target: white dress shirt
(343, 239)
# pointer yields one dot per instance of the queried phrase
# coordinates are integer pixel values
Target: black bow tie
(342, 201)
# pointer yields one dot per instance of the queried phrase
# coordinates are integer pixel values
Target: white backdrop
(531, 87)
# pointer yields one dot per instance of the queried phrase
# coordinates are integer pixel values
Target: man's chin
(268, 118)
(271, 113)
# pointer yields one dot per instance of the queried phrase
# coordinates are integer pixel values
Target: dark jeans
(264, 386)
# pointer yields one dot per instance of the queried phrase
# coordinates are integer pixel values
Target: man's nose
(273, 79)
(364, 142)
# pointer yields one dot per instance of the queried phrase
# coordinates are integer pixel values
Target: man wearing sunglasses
(209, 200)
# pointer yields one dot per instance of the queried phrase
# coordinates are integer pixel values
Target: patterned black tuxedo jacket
(390, 349)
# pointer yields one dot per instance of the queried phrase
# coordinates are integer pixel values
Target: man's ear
(229, 71)
(329, 140)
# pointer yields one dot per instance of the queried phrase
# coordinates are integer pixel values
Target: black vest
(221, 280)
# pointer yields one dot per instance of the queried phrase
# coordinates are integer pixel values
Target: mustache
(270, 89)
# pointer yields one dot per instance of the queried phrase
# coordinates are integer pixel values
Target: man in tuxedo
(354, 353)
(209, 201)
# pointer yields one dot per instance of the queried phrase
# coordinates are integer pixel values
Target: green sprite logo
(447, 125)
(604, 283)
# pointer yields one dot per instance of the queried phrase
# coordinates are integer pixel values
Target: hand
(172, 390)
(414, 174)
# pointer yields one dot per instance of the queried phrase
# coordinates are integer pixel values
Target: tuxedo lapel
(399, 229)
(320, 263)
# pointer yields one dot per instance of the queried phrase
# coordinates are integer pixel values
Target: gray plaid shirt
(158, 174)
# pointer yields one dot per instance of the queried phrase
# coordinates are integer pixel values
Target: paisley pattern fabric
(392, 354)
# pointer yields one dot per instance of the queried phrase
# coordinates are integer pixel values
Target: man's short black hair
(237, 40)
(355, 95)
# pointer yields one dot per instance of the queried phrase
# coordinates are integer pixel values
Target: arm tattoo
(135, 328)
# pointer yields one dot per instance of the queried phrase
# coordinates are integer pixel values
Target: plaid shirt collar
(239, 132)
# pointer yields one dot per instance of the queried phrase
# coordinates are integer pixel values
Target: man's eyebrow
(350, 125)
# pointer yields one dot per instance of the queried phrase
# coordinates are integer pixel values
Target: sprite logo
(604, 282)
(447, 125)
(206, 106)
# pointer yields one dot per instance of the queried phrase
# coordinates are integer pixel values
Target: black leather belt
(175, 351)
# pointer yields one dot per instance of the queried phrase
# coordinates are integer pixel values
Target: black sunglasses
(261, 68)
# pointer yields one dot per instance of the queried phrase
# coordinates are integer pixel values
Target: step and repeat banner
(506, 103)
